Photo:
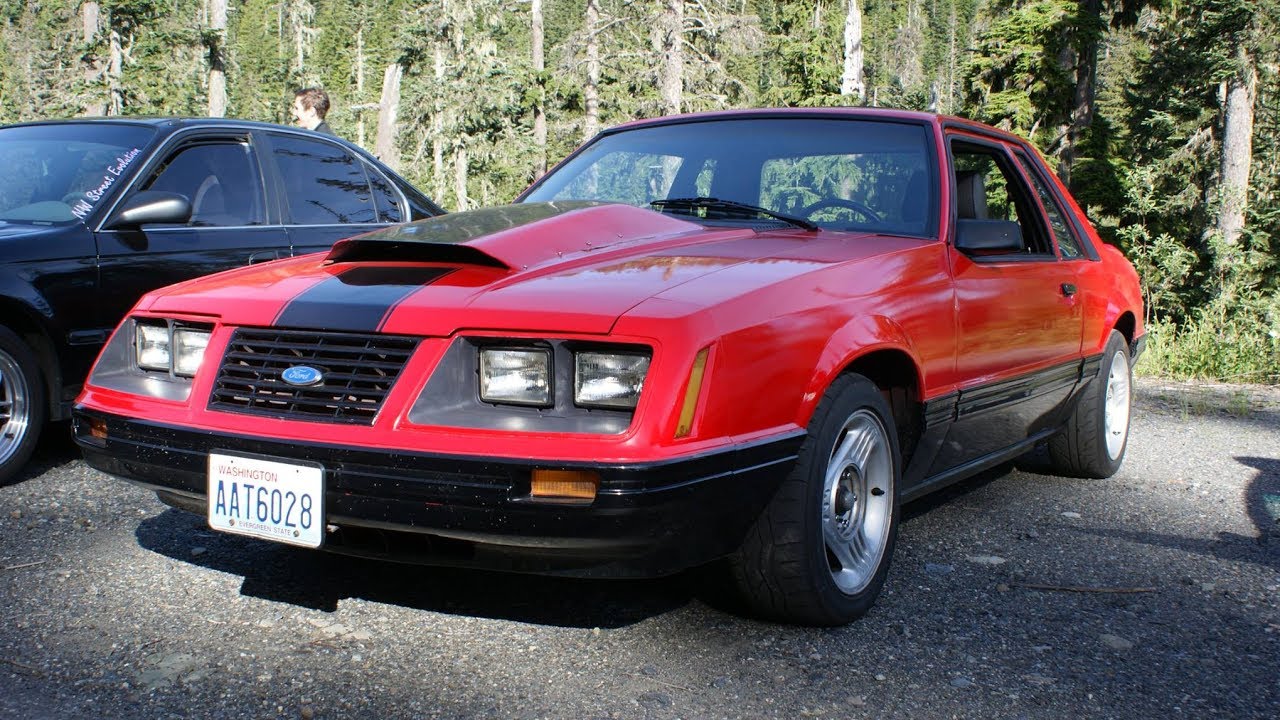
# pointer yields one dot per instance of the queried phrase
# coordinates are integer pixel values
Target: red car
(743, 337)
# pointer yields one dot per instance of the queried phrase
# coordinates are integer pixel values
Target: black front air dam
(648, 519)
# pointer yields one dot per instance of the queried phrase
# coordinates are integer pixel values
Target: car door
(1018, 314)
(231, 224)
(329, 193)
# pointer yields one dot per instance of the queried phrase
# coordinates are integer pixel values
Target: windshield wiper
(729, 206)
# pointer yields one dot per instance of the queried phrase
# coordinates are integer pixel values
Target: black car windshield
(845, 174)
(56, 174)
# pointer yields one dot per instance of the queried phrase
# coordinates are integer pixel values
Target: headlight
(153, 346)
(518, 377)
(171, 348)
(608, 380)
(188, 350)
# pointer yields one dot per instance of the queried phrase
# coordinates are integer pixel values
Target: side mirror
(997, 235)
(152, 207)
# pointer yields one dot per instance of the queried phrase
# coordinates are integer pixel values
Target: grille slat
(359, 370)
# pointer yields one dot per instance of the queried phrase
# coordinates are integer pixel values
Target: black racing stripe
(358, 299)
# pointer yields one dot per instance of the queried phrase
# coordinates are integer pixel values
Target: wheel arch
(20, 320)
(879, 349)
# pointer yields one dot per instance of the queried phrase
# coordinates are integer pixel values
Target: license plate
(266, 498)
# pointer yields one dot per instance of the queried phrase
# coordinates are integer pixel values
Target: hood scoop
(510, 237)
(366, 249)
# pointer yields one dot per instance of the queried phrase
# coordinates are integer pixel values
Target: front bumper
(648, 519)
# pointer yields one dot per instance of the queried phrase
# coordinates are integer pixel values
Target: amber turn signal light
(564, 484)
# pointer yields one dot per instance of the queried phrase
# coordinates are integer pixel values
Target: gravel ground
(112, 605)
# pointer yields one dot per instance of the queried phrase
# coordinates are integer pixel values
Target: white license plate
(265, 498)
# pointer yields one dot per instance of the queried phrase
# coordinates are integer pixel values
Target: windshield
(56, 174)
(841, 174)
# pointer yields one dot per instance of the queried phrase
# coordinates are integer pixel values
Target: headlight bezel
(169, 331)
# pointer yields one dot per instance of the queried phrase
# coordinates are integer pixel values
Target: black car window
(389, 209)
(987, 187)
(324, 184)
(219, 178)
(1066, 240)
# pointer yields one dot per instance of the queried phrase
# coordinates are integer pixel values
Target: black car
(94, 213)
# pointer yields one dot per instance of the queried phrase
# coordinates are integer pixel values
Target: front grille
(358, 372)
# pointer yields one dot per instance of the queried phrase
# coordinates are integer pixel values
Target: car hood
(569, 267)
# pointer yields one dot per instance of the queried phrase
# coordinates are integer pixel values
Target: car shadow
(319, 580)
(1262, 506)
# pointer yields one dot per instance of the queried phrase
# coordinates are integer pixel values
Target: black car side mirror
(998, 235)
(152, 207)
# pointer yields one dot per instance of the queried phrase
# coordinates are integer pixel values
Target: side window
(324, 184)
(219, 178)
(1067, 243)
(989, 188)
(388, 199)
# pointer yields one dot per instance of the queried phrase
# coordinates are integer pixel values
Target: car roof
(867, 113)
(168, 122)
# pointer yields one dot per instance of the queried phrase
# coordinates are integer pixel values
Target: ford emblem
(301, 375)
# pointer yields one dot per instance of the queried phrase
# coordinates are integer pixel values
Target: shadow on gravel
(1262, 505)
(55, 448)
(319, 580)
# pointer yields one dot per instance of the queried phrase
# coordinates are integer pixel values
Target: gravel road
(112, 605)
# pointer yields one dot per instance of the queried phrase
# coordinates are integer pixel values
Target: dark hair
(315, 99)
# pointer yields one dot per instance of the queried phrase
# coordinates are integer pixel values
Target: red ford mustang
(743, 337)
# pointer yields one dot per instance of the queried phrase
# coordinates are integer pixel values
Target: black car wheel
(22, 404)
(820, 551)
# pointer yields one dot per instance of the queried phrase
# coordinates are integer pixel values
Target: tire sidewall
(15, 348)
(1115, 343)
(858, 394)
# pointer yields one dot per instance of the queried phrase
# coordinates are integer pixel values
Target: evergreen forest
(1163, 116)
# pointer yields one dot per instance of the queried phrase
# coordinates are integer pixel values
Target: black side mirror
(152, 207)
(998, 235)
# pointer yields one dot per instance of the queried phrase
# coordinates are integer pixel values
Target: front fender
(858, 338)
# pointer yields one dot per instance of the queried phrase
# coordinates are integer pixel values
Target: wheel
(22, 404)
(863, 210)
(1094, 440)
(820, 551)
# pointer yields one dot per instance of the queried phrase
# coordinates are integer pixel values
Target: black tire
(22, 404)
(1096, 436)
(785, 569)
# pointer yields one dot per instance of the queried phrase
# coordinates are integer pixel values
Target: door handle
(1068, 289)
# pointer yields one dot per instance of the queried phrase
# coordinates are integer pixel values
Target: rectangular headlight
(608, 380)
(188, 350)
(152, 343)
(516, 376)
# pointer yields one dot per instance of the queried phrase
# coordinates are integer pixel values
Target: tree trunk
(115, 71)
(460, 176)
(852, 81)
(1086, 72)
(591, 90)
(539, 102)
(360, 90)
(90, 16)
(437, 126)
(217, 65)
(671, 73)
(388, 107)
(1237, 148)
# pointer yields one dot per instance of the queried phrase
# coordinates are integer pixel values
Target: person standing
(310, 105)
